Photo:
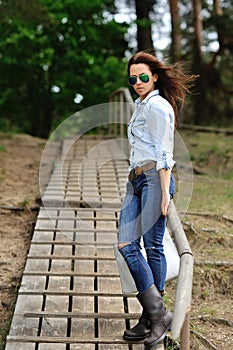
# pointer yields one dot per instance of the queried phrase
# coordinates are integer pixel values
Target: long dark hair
(173, 84)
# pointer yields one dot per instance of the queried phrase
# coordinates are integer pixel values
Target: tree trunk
(144, 36)
(40, 117)
(200, 106)
(175, 51)
(218, 11)
(197, 23)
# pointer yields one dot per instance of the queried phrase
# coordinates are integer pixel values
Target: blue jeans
(141, 216)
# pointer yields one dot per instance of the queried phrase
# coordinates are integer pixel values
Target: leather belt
(134, 173)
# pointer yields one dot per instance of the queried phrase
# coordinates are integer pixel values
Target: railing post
(110, 118)
(180, 323)
(115, 116)
(121, 115)
(185, 333)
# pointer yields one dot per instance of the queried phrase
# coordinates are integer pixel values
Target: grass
(212, 155)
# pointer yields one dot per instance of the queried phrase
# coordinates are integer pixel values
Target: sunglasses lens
(144, 78)
(132, 80)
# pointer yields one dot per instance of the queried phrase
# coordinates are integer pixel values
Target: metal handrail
(121, 107)
(182, 306)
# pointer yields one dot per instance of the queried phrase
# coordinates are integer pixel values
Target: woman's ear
(155, 77)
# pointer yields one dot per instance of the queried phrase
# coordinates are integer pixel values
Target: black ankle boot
(160, 319)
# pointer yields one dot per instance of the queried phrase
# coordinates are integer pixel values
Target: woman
(161, 91)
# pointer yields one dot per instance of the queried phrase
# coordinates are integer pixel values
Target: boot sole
(132, 339)
(158, 340)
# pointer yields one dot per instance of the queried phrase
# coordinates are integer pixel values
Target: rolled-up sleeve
(161, 128)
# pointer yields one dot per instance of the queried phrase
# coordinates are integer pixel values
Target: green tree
(201, 37)
(207, 48)
(51, 50)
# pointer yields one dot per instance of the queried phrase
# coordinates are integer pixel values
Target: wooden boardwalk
(70, 295)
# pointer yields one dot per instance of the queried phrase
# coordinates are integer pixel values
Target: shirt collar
(152, 93)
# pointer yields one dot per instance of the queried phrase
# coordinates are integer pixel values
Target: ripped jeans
(141, 217)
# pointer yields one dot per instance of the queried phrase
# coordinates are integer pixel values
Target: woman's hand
(165, 202)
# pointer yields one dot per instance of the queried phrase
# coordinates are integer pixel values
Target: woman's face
(142, 88)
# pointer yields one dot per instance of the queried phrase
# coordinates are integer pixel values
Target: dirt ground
(19, 193)
(210, 237)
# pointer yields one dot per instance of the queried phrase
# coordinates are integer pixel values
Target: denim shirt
(151, 132)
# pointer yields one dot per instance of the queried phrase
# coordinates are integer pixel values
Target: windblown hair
(173, 84)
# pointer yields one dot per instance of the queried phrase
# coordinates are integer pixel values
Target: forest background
(58, 57)
(61, 56)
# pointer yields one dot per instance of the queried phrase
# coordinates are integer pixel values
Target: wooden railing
(121, 107)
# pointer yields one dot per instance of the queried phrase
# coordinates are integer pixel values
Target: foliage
(51, 50)
(57, 57)
(215, 68)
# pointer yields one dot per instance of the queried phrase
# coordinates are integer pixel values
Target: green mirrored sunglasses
(143, 77)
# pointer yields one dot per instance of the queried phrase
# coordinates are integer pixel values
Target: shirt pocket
(138, 128)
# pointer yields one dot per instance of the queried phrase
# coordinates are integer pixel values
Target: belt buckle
(132, 175)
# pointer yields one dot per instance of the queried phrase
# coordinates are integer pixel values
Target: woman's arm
(165, 183)
(161, 126)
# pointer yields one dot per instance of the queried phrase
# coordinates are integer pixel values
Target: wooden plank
(46, 224)
(23, 327)
(62, 250)
(84, 284)
(47, 213)
(108, 237)
(105, 252)
(28, 303)
(54, 327)
(20, 346)
(60, 265)
(107, 266)
(90, 315)
(93, 230)
(110, 304)
(85, 250)
(69, 257)
(42, 236)
(110, 328)
(75, 243)
(58, 303)
(116, 347)
(83, 304)
(51, 346)
(59, 283)
(32, 283)
(40, 249)
(82, 347)
(37, 265)
(108, 284)
(134, 305)
(71, 274)
(64, 236)
(83, 329)
(69, 340)
(71, 293)
(84, 266)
